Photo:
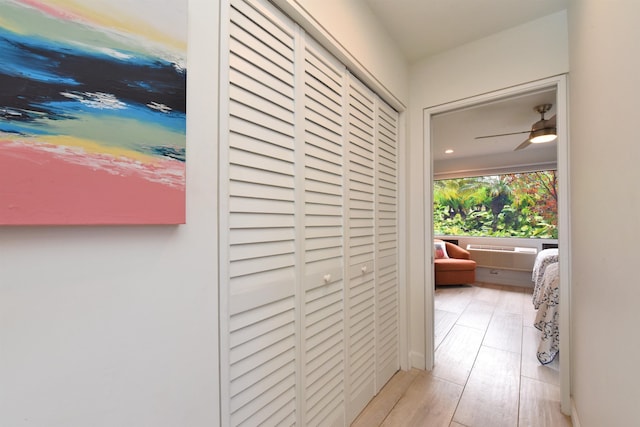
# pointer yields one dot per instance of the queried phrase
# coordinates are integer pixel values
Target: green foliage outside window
(511, 205)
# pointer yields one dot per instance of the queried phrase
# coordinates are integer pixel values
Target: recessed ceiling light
(449, 151)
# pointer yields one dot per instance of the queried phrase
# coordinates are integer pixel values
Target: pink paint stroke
(50, 10)
(38, 188)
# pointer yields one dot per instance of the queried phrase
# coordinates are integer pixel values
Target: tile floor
(486, 372)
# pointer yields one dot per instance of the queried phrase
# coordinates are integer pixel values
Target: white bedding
(548, 316)
(546, 298)
(543, 259)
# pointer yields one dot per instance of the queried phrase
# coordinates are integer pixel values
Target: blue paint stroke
(42, 81)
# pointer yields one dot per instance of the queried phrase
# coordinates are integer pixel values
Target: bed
(546, 298)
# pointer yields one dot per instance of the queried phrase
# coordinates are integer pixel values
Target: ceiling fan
(544, 130)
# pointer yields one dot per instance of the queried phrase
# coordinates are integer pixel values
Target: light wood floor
(486, 372)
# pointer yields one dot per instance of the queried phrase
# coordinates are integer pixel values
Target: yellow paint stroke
(87, 146)
(11, 26)
(111, 18)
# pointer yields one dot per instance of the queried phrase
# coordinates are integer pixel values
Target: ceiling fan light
(539, 136)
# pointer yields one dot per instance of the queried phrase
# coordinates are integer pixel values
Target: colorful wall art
(92, 111)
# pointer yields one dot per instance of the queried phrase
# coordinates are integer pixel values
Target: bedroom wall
(604, 87)
(495, 62)
(117, 326)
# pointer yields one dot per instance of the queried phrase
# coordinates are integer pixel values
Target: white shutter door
(360, 320)
(258, 271)
(323, 304)
(387, 322)
(308, 241)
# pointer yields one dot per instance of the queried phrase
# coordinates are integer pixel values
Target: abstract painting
(92, 111)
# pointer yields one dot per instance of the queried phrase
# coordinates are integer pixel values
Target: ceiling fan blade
(551, 122)
(525, 144)
(500, 134)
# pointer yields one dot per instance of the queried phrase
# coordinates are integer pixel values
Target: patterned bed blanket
(548, 316)
(543, 259)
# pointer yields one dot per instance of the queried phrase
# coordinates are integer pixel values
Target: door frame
(564, 232)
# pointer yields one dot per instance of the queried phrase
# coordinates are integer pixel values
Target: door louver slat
(361, 231)
(261, 204)
(387, 322)
(323, 205)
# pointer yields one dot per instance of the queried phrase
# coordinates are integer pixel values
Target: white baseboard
(574, 415)
(416, 360)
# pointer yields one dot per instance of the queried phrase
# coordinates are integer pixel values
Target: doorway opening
(496, 155)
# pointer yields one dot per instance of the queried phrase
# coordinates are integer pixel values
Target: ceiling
(458, 131)
(423, 28)
(511, 115)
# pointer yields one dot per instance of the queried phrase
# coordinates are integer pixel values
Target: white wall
(604, 153)
(360, 43)
(526, 53)
(117, 326)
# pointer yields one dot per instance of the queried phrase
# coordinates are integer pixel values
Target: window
(510, 205)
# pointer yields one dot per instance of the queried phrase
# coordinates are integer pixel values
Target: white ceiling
(511, 115)
(426, 27)
(458, 130)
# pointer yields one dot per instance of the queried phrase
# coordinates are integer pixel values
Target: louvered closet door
(323, 304)
(387, 322)
(308, 194)
(258, 275)
(360, 290)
